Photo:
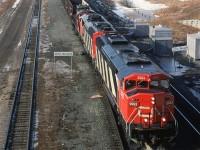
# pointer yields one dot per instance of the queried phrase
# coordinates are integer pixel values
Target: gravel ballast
(70, 110)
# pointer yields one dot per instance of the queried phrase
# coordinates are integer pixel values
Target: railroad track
(21, 126)
(187, 110)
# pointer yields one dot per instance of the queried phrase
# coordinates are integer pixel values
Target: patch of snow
(96, 96)
(146, 5)
(121, 10)
(142, 10)
(34, 22)
(19, 44)
(119, 13)
(1, 30)
(45, 45)
(59, 68)
(6, 68)
(16, 3)
(62, 67)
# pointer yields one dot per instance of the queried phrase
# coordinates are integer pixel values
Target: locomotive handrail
(131, 122)
(176, 122)
(129, 118)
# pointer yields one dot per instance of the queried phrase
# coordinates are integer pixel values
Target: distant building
(193, 43)
(161, 40)
(141, 30)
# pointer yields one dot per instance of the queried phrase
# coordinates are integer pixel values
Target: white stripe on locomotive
(97, 57)
(107, 79)
(86, 42)
(100, 65)
(112, 83)
(84, 35)
(90, 47)
(103, 68)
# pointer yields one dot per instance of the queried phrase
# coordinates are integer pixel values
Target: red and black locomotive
(137, 88)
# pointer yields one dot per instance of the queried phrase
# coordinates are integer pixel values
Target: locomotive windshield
(142, 84)
(130, 84)
(164, 83)
(161, 83)
(154, 84)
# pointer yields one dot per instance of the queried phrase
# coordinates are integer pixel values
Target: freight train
(138, 89)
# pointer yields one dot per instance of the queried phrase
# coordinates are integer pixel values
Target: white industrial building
(161, 40)
(193, 43)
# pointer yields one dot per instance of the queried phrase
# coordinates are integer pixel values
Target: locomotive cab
(147, 106)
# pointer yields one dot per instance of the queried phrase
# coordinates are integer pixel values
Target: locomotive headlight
(153, 100)
(145, 120)
(164, 119)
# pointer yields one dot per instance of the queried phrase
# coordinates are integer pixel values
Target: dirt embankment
(176, 11)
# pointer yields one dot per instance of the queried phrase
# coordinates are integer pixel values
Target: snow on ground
(20, 43)
(16, 3)
(142, 10)
(121, 10)
(119, 13)
(145, 5)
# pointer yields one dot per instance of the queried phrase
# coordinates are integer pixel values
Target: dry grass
(176, 11)
(5, 6)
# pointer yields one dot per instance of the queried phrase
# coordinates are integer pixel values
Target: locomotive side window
(130, 84)
(164, 83)
(154, 84)
(142, 84)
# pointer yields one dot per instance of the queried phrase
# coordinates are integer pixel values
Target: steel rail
(15, 115)
(198, 132)
(186, 100)
(192, 106)
(34, 83)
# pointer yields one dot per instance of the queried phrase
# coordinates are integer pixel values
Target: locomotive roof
(120, 53)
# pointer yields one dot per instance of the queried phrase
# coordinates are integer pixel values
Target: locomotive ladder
(21, 126)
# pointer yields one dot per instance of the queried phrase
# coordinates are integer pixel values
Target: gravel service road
(70, 110)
